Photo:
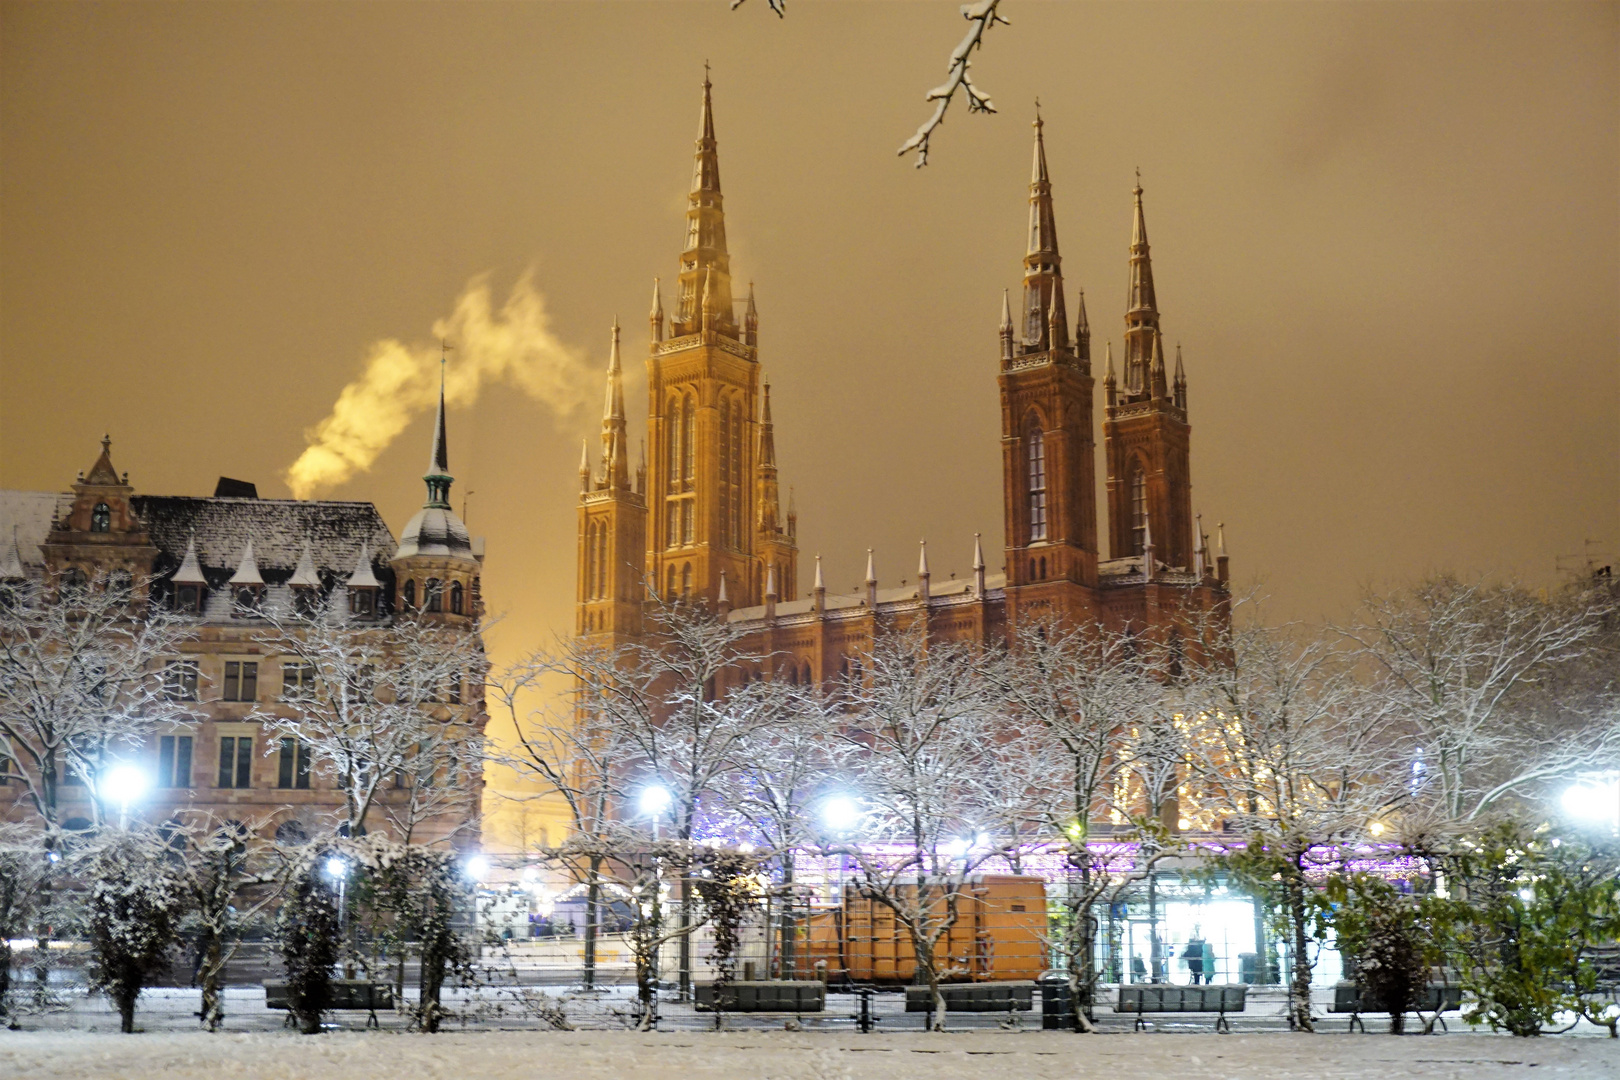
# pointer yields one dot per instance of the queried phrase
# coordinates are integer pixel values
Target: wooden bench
(1142, 999)
(347, 994)
(1436, 998)
(764, 995)
(975, 997)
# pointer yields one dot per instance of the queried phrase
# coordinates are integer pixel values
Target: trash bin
(1248, 965)
(1057, 1003)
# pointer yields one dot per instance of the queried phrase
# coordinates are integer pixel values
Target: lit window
(1037, 485)
(101, 518)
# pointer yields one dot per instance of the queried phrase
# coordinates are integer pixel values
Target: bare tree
(1292, 760)
(1077, 694)
(83, 681)
(385, 708)
(919, 718)
(1465, 667)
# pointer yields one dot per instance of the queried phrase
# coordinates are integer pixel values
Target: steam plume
(514, 345)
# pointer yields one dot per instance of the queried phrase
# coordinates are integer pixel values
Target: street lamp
(1595, 797)
(477, 868)
(124, 784)
(338, 870)
(840, 813)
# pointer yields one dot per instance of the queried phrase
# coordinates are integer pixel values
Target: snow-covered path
(49, 1055)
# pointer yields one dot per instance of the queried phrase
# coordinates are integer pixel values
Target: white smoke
(514, 345)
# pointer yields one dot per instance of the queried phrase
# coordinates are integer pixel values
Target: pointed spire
(1110, 384)
(770, 581)
(1199, 552)
(1179, 388)
(1082, 332)
(615, 465)
(585, 464)
(1159, 388)
(871, 581)
(190, 571)
(655, 318)
(1220, 539)
(923, 576)
(1043, 274)
(751, 320)
(1147, 549)
(819, 583)
(767, 492)
(1142, 308)
(978, 565)
(705, 236)
(723, 600)
(438, 476)
(247, 568)
(641, 470)
(11, 567)
(304, 575)
(363, 578)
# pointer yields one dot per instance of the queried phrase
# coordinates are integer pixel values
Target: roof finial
(819, 584)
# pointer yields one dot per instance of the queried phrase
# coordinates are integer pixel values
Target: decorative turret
(1110, 384)
(1180, 386)
(922, 571)
(584, 464)
(656, 318)
(978, 566)
(769, 493)
(1161, 390)
(435, 566)
(871, 581)
(1006, 327)
(1082, 334)
(751, 321)
(615, 454)
(818, 591)
(1142, 307)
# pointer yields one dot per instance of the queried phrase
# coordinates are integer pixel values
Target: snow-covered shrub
(309, 930)
(132, 916)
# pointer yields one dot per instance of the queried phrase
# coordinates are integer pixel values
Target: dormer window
(363, 602)
(101, 518)
(249, 601)
(188, 599)
(306, 601)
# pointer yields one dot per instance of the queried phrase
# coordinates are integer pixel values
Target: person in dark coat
(1193, 954)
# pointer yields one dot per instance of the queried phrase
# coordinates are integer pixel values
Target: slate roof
(30, 514)
(278, 529)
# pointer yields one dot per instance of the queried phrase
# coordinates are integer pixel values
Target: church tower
(1145, 432)
(612, 523)
(436, 569)
(1048, 456)
(709, 490)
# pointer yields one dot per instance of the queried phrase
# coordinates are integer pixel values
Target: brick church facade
(701, 517)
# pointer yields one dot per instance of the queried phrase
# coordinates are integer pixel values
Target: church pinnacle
(615, 453)
(705, 264)
(1142, 311)
(1045, 321)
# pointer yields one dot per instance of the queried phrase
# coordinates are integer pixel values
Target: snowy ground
(510, 1055)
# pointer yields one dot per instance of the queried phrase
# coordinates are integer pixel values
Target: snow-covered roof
(279, 530)
(949, 591)
(434, 530)
(28, 515)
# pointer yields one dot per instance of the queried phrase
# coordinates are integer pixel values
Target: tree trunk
(789, 925)
(212, 1012)
(1299, 988)
(126, 1016)
(593, 893)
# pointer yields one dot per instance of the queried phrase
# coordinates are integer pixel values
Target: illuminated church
(700, 515)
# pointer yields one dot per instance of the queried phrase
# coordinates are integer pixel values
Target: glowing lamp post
(338, 870)
(655, 801)
(1595, 798)
(124, 784)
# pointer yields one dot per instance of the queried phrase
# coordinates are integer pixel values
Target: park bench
(1147, 998)
(347, 994)
(764, 995)
(975, 997)
(1436, 998)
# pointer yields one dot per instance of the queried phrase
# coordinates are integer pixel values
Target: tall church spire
(1043, 274)
(705, 235)
(438, 476)
(615, 452)
(770, 508)
(1142, 310)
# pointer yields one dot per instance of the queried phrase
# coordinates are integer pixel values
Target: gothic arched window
(1139, 515)
(686, 582)
(456, 598)
(669, 592)
(1036, 450)
(101, 518)
(725, 471)
(688, 439)
(409, 595)
(672, 443)
(433, 595)
(735, 523)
